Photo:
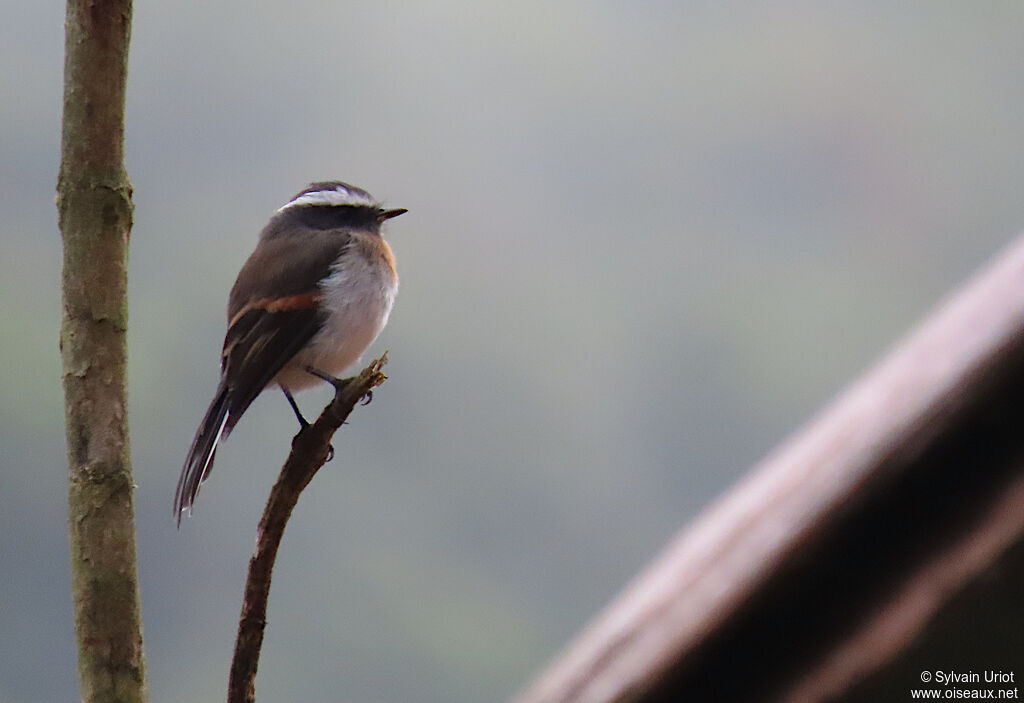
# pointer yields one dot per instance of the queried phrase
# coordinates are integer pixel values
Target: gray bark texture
(95, 209)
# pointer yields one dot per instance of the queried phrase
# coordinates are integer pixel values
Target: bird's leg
(295, 408)
(302, 421)
(338, 383)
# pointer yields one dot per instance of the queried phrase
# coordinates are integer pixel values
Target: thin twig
(310, 450)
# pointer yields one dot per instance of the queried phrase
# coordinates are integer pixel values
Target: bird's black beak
(388, 214)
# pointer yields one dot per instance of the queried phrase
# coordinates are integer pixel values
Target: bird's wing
(274, 310)
(261, 341)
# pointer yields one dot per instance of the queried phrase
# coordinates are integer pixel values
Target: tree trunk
(94, 202)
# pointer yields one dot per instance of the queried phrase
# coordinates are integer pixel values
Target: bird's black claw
(367, 399)
(330, 452)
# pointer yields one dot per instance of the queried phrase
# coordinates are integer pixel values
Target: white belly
(359, 295)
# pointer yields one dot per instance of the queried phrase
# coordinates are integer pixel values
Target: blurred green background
(645, 241)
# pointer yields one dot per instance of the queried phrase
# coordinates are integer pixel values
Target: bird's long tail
(200, 454)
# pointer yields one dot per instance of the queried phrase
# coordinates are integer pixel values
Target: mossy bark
(95, 208)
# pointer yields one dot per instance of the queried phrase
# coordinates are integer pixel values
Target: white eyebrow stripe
(337, 196)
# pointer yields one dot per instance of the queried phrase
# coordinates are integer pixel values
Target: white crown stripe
(336, 196)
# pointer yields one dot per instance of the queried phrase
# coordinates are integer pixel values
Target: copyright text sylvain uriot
(946, 678)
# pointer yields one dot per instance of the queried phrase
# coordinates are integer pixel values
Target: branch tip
(304, 460)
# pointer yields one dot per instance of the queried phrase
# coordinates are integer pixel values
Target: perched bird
(313, 295)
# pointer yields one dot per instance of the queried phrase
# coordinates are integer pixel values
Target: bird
(316, 291)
